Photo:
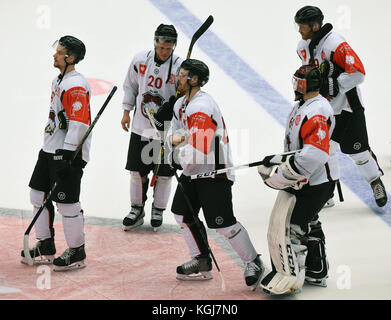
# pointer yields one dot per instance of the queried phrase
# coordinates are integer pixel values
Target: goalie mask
(306, 79)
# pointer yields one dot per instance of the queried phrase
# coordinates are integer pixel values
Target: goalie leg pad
(278, 233)
(286, 249)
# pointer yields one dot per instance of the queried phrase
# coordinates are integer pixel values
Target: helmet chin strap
(65, 69)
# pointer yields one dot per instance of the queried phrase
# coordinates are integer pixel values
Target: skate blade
(318, 283)
(39, 261)
(256, 284)
(73, 266)
(133, 226)
(202, 276)
(329, 204)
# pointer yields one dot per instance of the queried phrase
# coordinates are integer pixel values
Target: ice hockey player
(69, 119)
(200, 136)
(342, 73)
(149, 84)
(306, 180)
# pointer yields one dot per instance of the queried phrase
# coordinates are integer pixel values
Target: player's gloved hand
(283, 176)
(165, 112)
(330, 72)
(274, 159)
(329, 88)
(329, 69)
(62, 159)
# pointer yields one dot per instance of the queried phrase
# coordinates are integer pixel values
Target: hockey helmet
(198, 68)
(74, 47)
(306, 79)
(166, 33)
(309, 15)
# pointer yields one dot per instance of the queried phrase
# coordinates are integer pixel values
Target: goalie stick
(26, 248)
(242, 166)
(201, 30)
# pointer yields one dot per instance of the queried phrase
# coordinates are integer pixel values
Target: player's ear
(194, 80)
(70, 59)
(316, 27)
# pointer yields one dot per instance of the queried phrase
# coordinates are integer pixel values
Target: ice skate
(156, 217)
(316, 282)
(134, 219)
(330, 203)
(196, 269)
(42, 253)
(253, 273)
(379, 192)
(72, 258)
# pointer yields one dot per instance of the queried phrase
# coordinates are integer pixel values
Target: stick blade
(201, 30)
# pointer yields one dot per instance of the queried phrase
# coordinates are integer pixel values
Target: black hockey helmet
(74, 47)
(309, 15)
(306, 79)
(198, 68)
(167, 33)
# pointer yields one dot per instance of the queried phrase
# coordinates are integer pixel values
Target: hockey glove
(328, 69)
(283, 176)
(164, 113)
(329, 88)
(62, 163)
(273, 160)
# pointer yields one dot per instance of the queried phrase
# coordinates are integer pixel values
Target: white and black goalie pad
(280, 247)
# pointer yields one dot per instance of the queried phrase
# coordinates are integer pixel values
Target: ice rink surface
(251, 53)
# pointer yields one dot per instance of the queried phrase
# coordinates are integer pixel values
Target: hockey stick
(242, 166)
(201, 30)
(74, 154)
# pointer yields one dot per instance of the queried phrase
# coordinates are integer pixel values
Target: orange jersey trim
(76, 103)
(315, 132)
(202, 129)
(346, 58)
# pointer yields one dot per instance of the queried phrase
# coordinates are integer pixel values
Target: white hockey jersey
(148, 84)
(73, 97)
(207, 145)
(333, 47)
(309, 128)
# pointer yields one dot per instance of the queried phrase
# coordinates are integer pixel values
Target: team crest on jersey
(156, 71)
(142, 69)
